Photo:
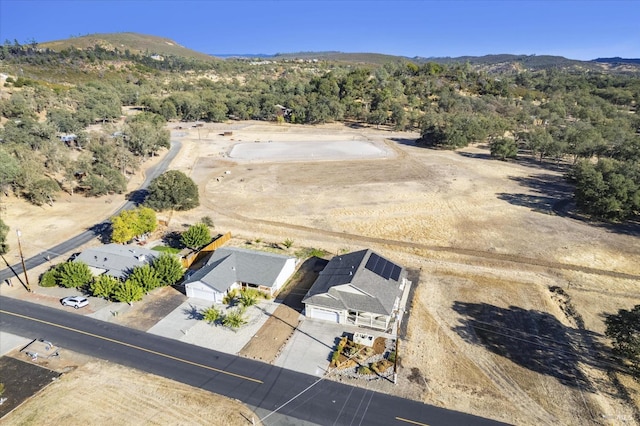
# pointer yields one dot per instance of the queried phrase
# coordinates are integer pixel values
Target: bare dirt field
(507, 318)
(92, 392)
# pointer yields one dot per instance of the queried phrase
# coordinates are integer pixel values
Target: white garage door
(200, 294)
(325, 315)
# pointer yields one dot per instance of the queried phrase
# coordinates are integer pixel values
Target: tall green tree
(104, 286)
(623, 329)
(145, 134)
(9, 171)
(128, 292)
(196, 236)
(168, 269)
(608, 189)
(73, 274)
(173, 190)
(144, 277)
(4, 230)
(503, 148)
(132, 223)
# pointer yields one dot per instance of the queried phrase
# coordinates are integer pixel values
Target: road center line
(135, 347)
(411, 421)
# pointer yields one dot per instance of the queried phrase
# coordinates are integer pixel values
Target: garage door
(200, 294)
(325, 315)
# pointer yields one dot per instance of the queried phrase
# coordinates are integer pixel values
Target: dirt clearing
(485, 333)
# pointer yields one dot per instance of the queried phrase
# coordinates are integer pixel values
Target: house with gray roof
(116, 260)
(360, 288)
(231, 268)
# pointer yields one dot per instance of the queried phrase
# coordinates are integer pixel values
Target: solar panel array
(383, 267)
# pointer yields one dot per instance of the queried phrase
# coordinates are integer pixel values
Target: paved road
(297, 397)
(96, 230)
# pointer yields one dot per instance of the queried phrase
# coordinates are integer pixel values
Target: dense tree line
(586, 118)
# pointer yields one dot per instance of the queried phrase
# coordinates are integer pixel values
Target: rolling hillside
(135, 43)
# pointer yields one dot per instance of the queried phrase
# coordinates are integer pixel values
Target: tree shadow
(534, 340)
(138, 196)
(552, 194)
(172, 239)
(103, 231)
(407, 142)
(523, 159)
(192, 312)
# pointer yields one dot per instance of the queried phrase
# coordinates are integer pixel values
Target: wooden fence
(195, 256)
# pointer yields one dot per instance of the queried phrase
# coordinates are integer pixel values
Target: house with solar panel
(360, 288)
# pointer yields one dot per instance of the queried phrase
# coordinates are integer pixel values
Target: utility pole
(24, 268)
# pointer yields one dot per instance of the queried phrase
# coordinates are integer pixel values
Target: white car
(75, 301)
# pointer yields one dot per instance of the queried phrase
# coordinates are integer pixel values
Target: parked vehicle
(75, 301)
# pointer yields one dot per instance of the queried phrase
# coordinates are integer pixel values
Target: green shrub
(230, 297)
(49, 278)
(311, 252)
(363, 369)
(211, 315)
(128, 292)
(165, 249)
(104, 286)
(392, 356)
(234, 319)
(334, 357)
(73, 274)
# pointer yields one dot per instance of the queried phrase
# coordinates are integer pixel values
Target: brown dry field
(92, 392)
(485, 335)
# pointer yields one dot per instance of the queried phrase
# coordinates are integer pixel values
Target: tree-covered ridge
(554, 115)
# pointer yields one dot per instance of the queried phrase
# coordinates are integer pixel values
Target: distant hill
(332, 56)
(135, 43)
(154, 45)
(618, 60)
(490, 63)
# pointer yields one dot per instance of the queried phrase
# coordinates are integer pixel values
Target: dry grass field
(507, 318)
(99, 393)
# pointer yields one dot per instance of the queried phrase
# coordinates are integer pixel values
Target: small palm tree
(248, 298)
(211, 315)
(234, 319)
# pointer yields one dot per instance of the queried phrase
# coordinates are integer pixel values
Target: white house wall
(286, 272)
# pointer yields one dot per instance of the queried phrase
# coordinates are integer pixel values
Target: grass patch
(311, 252)
(165, 249)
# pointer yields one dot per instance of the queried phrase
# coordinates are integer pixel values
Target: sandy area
(483, 235)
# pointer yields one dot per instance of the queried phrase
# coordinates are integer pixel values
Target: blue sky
(574, 29)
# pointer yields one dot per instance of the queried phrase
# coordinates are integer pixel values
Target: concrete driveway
(309, 348)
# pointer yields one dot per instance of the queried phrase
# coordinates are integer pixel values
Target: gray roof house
(360, 288)
(116, 260)
(230, 268)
